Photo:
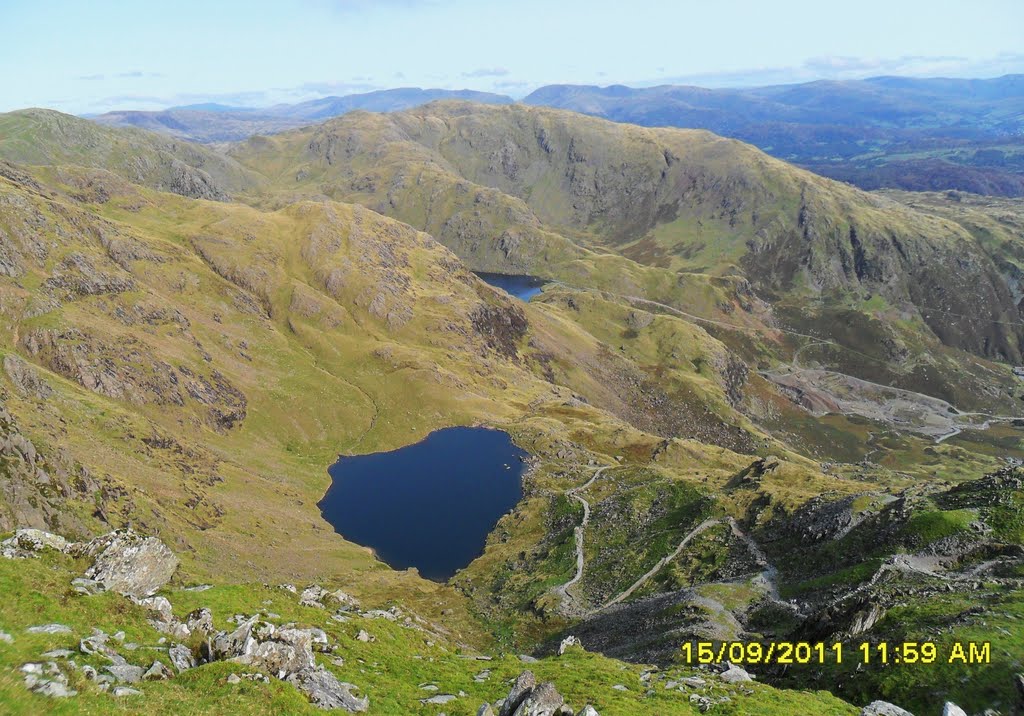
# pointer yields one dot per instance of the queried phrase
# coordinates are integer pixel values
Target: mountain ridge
(881, 132)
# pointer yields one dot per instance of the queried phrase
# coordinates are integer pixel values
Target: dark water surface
(430, 505)
(522, 287)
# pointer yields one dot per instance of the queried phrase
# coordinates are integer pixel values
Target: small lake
(522, 287)
(430, 505)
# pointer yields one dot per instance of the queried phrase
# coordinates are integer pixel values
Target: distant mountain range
(211, 122)
(898, 132)
(883, 132)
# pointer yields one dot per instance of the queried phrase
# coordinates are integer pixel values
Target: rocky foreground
(263, 650)
(136, 567)
(273, 649)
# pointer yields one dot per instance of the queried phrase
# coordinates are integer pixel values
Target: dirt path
(816, 340)
(770, 573)
(563, 590)
(705, 525)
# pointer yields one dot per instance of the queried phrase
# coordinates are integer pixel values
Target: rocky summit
(752, 441)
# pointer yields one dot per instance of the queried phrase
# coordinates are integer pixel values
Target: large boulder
(234, 645)
(520, 690)
(543, 700)
(528, 698)
(324, 690)
(280, 657)
(883, 708)
(735, 675)
(130, 564)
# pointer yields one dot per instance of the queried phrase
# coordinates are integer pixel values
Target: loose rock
(130, 564)
(735, 675)
(568, 642)
(49, 629)
(324, 690)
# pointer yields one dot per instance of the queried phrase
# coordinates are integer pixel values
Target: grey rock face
(157, 672)
(200, 620)
(97, 645)
(588, 710)
(120, 691)
(26, 542)
(524, 683)
(283, 655)
(181, 657)
(312, 596)
(239, 643)
(542, 700)
(131, 564)
(87, 586)
(883, 708)
(160, 606)
(324, 690)
(129, 673)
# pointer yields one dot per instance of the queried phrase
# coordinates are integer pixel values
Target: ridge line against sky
(98, 56)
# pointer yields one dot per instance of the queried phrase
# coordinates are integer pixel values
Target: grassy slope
(284, 304)
(385, 669)
(45, 137)
(505, 187)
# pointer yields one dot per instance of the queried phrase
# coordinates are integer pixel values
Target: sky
(93, 56)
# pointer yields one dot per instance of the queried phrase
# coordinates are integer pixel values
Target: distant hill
(882, 132)
(917, 134)
(993, 106)
(45, 137)
(211, 122)
(391, 100)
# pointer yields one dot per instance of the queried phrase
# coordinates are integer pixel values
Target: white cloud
(487, 72)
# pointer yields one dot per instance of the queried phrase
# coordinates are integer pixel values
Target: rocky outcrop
(26, 378)
(77, 276)
(39, 489)
(123, 561)
(129, 563)
(27, 542)
(193, 183)
(137, 566)
(127, 368)
(326, 691)
(567, 643)
(502, 327)
(528, 698)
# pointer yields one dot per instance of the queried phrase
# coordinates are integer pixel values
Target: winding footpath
(705, 525)
(570, 606)
(562, 591)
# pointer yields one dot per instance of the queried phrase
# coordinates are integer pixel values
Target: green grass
(924, 528)
(388, 669)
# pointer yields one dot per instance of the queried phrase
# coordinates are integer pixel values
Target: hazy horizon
(93, 58)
